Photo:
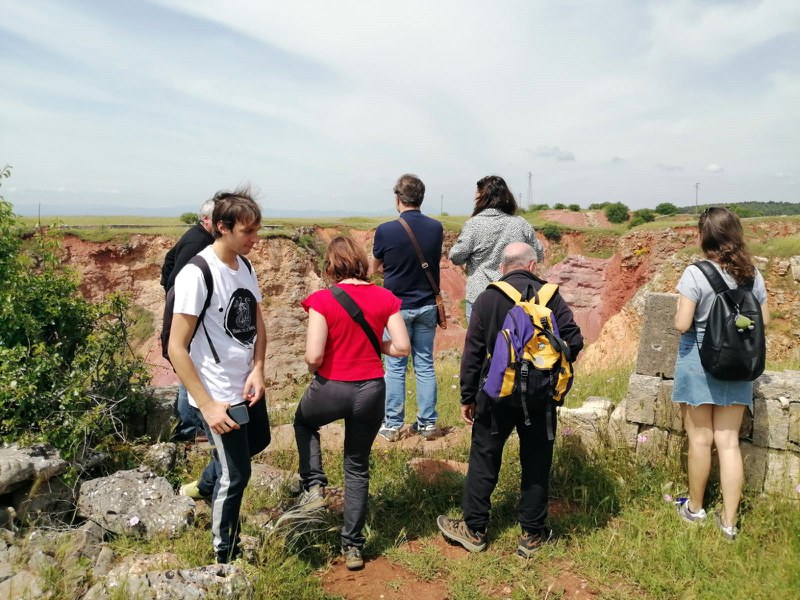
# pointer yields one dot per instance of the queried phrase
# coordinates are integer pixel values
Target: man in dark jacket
(195, 239)
(491, 427)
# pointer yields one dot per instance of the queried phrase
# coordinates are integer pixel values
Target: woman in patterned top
(491, 228)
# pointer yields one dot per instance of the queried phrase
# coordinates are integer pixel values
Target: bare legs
(719, 425)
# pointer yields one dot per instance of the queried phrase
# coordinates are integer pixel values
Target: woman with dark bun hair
(348, 383)
(492, 226)
(713, 409)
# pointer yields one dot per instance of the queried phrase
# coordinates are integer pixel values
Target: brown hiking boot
(456, 530)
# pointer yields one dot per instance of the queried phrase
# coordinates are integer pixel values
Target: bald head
(518, 255)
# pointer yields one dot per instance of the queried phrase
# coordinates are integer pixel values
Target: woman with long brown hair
(348, 382)
(492, 226)
(713, 409)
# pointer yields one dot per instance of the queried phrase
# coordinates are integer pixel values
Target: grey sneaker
(390, 434)
(530, 542)
(426, 431)
(682, 506)
(352, 558)
(456, 530)
(310, 500)
(729, 532)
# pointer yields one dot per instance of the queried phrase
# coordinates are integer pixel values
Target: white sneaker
(682, 506)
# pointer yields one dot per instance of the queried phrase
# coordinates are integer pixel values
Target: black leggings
(361, 405)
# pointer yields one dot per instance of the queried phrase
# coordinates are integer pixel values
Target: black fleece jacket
(488, 314)
(195, 239)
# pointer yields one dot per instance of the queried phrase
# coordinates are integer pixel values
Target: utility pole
(530, 189)
(696, 196)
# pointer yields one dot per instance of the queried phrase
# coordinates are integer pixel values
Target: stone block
(778, 385)
(658, 343)
(668, 413)
(783, 473)
(653, 444)
(770, 423)
(755, 466)
(160, 420)
(588, 422)
(746, 428)
(794, 263)
(794, 423)
(640, 401)
(45, 501)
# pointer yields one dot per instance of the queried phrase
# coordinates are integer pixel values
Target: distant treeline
(753, 209)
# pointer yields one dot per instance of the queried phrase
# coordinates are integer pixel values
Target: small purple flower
(641, 438)
(668, 498)
(134, 521)
(798, 489)
(566, 431)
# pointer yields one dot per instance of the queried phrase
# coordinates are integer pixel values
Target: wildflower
(641, 438)
(454, 386)
(134, 521)
(668, 498)
(566, 431)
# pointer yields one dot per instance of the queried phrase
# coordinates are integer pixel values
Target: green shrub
(598, 205)
(644, 215)
(667, 208)
(574, 207)
(538, 207)
(559, 206)
(551, 231)
(68, 375)
(616, 212)
(189, 218)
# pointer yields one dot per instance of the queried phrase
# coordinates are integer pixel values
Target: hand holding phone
(239, 413)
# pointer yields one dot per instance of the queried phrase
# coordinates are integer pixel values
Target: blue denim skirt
(694, 386)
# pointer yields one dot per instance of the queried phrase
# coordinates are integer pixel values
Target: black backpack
(733, 347)
(169, 306)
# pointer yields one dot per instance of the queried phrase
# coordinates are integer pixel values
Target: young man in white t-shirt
(221, 359)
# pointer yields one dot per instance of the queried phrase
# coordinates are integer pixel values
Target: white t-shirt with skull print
(229, 322)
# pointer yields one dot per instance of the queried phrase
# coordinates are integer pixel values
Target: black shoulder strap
(246, 264)
(713, 276)
(202, 264)
(426, 268)
(357, 315)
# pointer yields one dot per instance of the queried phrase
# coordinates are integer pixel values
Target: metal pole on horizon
(530, 189)
(696, 195)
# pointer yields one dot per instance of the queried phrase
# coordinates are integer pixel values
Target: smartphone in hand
(239, 413)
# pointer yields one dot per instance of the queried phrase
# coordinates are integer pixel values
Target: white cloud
(553, 152)
(713, 168)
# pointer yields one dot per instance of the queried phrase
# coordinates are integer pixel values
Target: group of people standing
(357, 329)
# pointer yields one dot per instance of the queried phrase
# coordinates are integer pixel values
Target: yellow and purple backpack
(530, 365)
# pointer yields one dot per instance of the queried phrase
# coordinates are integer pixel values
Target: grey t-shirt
(695, 287)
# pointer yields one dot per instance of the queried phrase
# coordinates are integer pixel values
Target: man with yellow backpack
(516, 368)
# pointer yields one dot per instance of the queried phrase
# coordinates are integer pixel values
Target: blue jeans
(421, 325)
(188, 419)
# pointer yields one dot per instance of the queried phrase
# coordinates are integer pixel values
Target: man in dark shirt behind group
(193, 241)
(403, 275)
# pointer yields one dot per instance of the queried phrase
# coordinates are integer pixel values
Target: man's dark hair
(410, 190)
(230, 207)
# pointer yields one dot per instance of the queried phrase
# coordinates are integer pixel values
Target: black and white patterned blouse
(480, 246)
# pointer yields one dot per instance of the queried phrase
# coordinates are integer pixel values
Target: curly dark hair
(722, 240)
(494, 193)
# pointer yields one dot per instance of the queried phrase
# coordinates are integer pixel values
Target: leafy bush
(616, 212)
(559, 206)
(538, 207)
(189, 218)
(551, 231)
(667, 208)
(598, 205)
(67, 373)
(644, 215)
(574, 207)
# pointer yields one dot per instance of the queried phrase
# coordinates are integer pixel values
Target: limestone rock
(161, 420)
(135, 501)
(217, 581)
(588, 421)
(755, 466)
(782, 473)
(640, 401)
(658, 343)
(45, 501)
(667, 412)
(17, 465)
(160, 457)
(794, 263)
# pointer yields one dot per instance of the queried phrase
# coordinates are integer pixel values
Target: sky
(150, 107)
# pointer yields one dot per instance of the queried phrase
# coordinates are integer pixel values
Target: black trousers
(226, 476)
(485, 457)
(361, 405)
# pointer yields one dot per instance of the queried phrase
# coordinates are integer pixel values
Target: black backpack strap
(357, 315)
(246, 264)
(713, 276)
(202, 264)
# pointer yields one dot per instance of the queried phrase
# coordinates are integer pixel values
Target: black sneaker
(426, 431)
(530, 542)
(352, 558)
(456, 530)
